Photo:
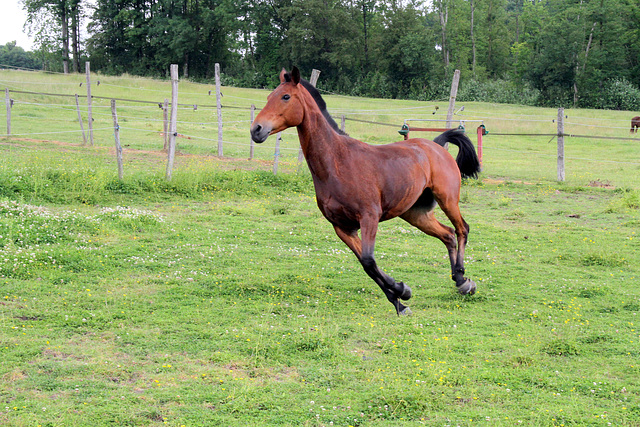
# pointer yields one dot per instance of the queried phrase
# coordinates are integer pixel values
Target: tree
(442, 8)
(365, 11)
(320, 35)
(14, 56)
(75, 10)
(496, 38)
(601, 55)
(60, 13)
(145, 37)
(406, 50)
(564, 50)
(473, 39)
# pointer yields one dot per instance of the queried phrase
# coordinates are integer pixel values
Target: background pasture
(224, 297)
(513, 157)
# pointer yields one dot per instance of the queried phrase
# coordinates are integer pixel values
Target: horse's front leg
(364, 250)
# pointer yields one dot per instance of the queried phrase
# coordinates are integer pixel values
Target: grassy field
(224, 297)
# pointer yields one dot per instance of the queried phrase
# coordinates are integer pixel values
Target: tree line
(582, 53)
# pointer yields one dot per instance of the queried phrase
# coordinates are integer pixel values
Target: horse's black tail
(467, 158)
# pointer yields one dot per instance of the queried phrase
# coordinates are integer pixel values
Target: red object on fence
(408, 129)
(481, 131)
(429, 129)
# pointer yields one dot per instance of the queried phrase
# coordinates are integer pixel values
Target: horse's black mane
(322, 105)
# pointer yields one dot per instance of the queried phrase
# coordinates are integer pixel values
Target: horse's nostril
(259, 133)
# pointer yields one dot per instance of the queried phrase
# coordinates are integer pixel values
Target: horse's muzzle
(259, 133)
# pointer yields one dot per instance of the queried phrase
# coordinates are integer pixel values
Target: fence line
(209, 110)
(6, 135)
(337, 111)
(71, 107)
(596, 126)
(192, 105)
(601, 137)
(241, 144)
(370, 122)
(125, 87)
(541, 154)
(248, 99)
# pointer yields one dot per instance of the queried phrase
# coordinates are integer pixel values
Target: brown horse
(635, 124)
(358, 185)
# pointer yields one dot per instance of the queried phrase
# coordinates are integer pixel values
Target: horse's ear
(284, 76)
(295, 75)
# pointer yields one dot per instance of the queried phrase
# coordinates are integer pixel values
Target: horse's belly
(338, 213)
(386, 200)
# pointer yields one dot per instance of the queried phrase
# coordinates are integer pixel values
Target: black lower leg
(458, 276)
(387, 283)
(393, 299)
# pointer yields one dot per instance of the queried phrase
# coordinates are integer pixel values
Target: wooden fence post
(116, 134)
(173, 128)
(7, 100)
(452, 101)
(219, 108)
(452, 97)
(165, 124)
(251, 143)
(560, 144)
(276, 155)
(84, 135)
(87, 67)
(342, 123)
(314, 77)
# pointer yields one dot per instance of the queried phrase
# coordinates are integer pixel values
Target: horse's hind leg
(465, 286)
(363, 249)
(424, 219)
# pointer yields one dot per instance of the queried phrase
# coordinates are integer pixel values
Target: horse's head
(284, 107)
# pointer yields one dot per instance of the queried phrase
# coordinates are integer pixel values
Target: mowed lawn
(223, 296)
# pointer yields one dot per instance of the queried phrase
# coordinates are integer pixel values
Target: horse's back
(412, 157)
(444, 174)
(414, 148)
(431, 167)
(439, 157)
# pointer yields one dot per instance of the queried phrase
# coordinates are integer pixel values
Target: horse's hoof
(467, 288)
(406, 292)
(406, 312)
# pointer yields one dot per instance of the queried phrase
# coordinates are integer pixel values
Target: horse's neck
(321, 144)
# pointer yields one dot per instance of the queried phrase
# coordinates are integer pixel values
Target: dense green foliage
(540, 52)
(15, 56)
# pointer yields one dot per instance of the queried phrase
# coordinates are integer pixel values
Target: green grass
(223, 297)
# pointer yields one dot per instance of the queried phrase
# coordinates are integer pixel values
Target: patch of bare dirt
(227, 163)
(601, 184)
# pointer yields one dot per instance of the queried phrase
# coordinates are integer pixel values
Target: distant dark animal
(358, 185)
(635, 124)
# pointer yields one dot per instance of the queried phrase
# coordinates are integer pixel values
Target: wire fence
(519, 144)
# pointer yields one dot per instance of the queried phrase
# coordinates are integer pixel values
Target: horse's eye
(286, 97)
